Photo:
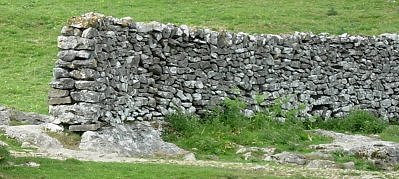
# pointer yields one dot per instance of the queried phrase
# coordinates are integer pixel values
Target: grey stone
(76, 113)
(88, 85)
(57, 93)
(138, 139)
(87, 63)
(31, 134)
(189, 157)
(63, 83)
(60, 73)
(30, 117)
(287, 157)
(78, 43)
(60, 100)
(51, 127)
(90, 33)
(385, 103)
(87, 96)
(83, 54)
(5, 115)
(84, 127)
(84, 74)
(67, 55)
(67, 30)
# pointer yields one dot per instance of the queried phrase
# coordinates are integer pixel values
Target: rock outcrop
(137, 140)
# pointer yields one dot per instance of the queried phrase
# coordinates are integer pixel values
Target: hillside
(28, 29)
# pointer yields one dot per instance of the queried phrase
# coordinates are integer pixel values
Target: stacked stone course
(116, 70)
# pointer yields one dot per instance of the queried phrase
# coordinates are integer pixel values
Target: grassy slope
(75, 169)
(28, 29)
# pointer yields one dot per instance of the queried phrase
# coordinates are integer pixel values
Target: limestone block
(63, 83)
(78, 43)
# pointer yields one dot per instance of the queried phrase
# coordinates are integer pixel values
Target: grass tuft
(68, 139)
(4, 155)
(332, 12)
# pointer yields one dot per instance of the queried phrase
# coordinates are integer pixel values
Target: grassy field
(76, 169)
(29, 29)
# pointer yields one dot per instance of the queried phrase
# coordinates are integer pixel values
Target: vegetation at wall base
(224, 129)
(68, 139)
(357, 121)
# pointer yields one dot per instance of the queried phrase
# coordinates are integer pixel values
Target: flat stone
(87, 85)
(63, 83)
(87, 96)
(287, 157)
(57, 93)
(84, 74)
(76, 113)
(51, 127)
(61, 100)
(84, 127)
(72, 42)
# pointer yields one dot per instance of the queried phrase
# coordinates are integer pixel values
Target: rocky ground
(141, 143)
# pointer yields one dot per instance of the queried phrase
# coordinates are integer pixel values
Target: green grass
(391, 133)
(29, 29)
(72, 168)
(12, 143)
(358, 121)
(222, 130)
(360, 164)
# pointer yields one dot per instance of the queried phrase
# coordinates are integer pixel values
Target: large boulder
(130, 140)
(32, 135)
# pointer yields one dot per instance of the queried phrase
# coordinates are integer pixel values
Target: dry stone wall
(116, 70)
